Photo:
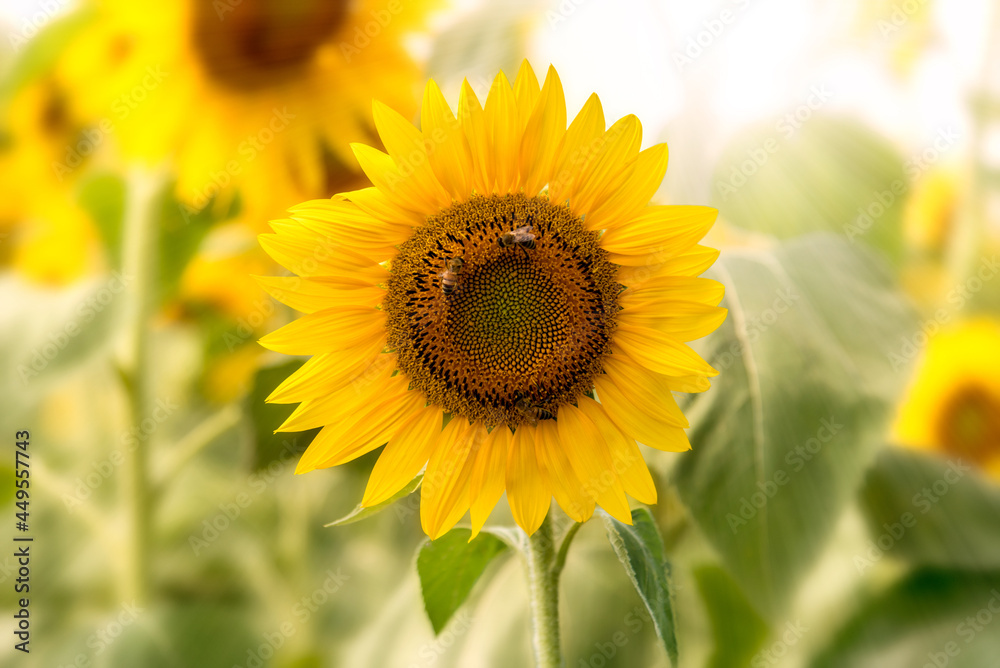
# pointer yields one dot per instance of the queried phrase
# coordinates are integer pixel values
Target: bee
(531, 412)
(521, 237)
(449, 277)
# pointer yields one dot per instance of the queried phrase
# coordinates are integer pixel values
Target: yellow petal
(449, 152)
(358, 435)
(672, 288)
(688, 383)
(383, 172)
(405, 144)
(309, 296)
(559, 475)
(525, 92)
(487, 482)
(404, 456)
(612, 163)
(375, 203)
(660, 353)
(373, 387)
(641, 426)
(473, 120)
(349, 225)
(315, 255)
(327, 373)
(647, 391)
(628, 201)
(592, 462)
(502, 125)
(628, 461)
(576, 149)
(444, 493)
(527, 493)
(326, 331)
(543, 134)
(681, 320)
(692, 263)
(668, 229)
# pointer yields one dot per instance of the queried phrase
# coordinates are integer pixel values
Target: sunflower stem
(139, 263)
(543, 584)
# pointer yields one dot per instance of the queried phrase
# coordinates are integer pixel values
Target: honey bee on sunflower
(542, 371)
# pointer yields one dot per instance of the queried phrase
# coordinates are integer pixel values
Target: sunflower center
(514, 322)
(258, 43)
(970, 425)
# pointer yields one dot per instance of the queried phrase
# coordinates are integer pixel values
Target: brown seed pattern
(520, 323)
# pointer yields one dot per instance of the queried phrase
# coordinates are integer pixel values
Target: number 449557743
(21, 458)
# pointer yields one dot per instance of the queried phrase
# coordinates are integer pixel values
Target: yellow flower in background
(259, 96)
(953, 403)
(931, 208)
(474, 281)
(44, 234)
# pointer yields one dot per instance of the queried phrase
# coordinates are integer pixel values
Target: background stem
(543, 584)
(139, 265)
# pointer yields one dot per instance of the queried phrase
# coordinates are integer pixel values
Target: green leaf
(814, 179)
(362, 512)
(804, 387)
(640, 550)
(930, 618)
(737, 630)
(931, 511)
(182, 230)
(103, 197)
(268, 446)
(449, 567)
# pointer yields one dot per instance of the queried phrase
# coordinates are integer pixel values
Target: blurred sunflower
(544, 309)
(931, 209)
(255, 96)
(44, 234)
(953, 403)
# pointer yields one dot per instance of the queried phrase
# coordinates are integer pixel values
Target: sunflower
(44, 234)
(535, 364)
(256, 96)
(953, 403)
